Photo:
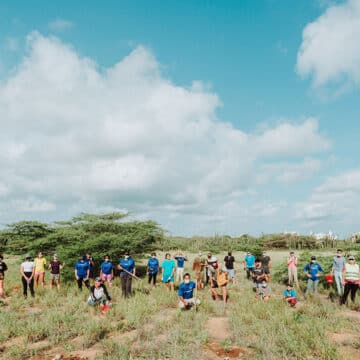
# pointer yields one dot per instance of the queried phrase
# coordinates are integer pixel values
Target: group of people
(208, 271)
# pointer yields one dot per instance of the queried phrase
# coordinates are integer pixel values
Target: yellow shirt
(40, 264)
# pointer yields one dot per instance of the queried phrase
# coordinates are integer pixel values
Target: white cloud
(33, 206)
(337, 199)
(330, 50)
(127, 137)
(288, 172)
(60, 25)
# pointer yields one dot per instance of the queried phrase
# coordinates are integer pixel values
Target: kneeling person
(264, 291)
(186, 293)
(98, 294)
(290, 295)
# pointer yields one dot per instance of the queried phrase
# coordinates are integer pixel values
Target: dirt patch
(343, 338)
(230, 352)
(353, 315)
(218, 328)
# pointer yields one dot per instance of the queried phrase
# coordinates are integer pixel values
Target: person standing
(180, 262)
(249, 264)
(153, 268)
(351, 278)
(292, 264)
(229, 261)
(82, 270)
(168, 269)
(313, 271)
(266, 265)
(258, 274)
(90, 260)
(337, 270)
(127, 271)
(27, 271)
(3, 268)
(107, 270)
(55, 266)
(186, 293)
(40, 263)
(211, 261)
(198, 268)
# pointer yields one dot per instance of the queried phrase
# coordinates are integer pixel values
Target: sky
(209, 117)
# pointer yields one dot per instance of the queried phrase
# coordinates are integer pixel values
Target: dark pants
(80, 282)
(126, 281)
(26, 284)
(153, 278)
(349, 287)
(248, 272)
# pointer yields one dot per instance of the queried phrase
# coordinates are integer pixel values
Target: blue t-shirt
(82, 267)
(106, 267)
(153, 265)
(250, 261)
(127, 264)
(290, 293)
(180, 261)
(168, 267)
(314, 269)
(186, 290)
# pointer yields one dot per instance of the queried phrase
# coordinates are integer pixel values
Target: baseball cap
(313, 258)
(98, 279)
(351, 257)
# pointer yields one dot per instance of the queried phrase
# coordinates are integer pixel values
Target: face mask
(313, 261)
(186, 281)
(106, 260)
(338, 255)
(200, 254)
(126, 256)
(153, 256)
(264, 285)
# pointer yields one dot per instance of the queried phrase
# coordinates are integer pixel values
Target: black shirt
(229, 262)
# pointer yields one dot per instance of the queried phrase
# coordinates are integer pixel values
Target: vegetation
(149, 325)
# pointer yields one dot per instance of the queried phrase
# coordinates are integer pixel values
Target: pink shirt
(292, 262)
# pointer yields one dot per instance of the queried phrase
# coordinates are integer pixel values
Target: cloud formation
(336, 199)
(79, 137)
(330, 49)
(60, 25)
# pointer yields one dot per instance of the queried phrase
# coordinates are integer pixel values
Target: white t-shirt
(28, 266)
(98, 293)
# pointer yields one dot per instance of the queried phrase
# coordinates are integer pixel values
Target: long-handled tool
(128, 272)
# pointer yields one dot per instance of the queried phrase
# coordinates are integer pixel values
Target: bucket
(329, 279)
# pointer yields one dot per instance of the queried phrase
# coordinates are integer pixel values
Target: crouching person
(99, 295)
(186, 293)
(290, 295)
(264, 291)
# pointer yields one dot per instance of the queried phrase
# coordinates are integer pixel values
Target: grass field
(149, 325)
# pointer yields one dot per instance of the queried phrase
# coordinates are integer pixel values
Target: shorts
(231, 273)
(214, 284)
(39, 272)
(54, 276)
(2, 276)
(106, 277)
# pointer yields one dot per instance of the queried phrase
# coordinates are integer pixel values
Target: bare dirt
(219, 333)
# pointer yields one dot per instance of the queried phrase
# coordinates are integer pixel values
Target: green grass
(149, 326)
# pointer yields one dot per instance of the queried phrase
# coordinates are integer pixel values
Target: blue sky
(207, 116)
